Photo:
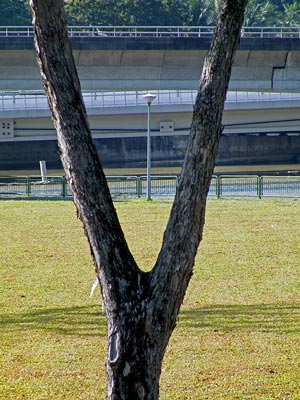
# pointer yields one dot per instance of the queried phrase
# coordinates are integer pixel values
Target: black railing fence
(222, 186)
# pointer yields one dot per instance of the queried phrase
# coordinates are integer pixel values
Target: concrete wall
(259, 149)
(14, 155)
(116, 152)
(156, 63)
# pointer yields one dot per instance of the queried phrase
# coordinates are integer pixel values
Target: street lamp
(149, 97)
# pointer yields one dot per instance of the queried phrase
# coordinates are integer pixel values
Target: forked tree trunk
(142, 308)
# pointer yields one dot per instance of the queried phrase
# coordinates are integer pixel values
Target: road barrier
(37, 100)
(156, 31)
(222, 186)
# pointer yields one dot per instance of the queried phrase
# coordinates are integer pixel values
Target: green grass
(238, 333)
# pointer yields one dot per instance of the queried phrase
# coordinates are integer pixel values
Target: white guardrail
(37, 100)
(155, 31)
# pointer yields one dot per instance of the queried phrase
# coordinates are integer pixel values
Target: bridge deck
(25, 116)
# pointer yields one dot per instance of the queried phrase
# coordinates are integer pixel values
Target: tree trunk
(142, 308)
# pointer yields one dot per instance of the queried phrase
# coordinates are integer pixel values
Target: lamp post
(148, 99)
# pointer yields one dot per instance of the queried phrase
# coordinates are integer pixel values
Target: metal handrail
(37, 100)
(222, 186)
(156, 31)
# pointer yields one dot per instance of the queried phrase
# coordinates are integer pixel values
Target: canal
(260, 169)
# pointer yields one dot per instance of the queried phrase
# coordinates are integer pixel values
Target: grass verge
(238, 330)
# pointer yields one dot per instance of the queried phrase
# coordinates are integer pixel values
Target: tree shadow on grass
(89, 321)
(280, 318)
(80, 320)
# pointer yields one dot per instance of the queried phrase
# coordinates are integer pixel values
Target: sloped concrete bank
(166, 150)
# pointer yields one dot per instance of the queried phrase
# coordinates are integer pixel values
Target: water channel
(265, 169)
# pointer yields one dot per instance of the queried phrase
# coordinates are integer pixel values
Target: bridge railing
(155, 31)
(37, 100)
(162, 186)
(27, 100)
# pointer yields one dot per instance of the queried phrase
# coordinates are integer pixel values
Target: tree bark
(142, 308)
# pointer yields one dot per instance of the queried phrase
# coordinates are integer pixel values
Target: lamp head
(149, 97)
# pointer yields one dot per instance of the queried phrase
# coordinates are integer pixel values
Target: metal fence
(222, 186)
(37, 100)
(254, 186)
(156, 31)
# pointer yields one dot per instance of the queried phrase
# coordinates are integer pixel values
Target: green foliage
(292, 13)
(14, 13)
(98, 12)
(238, 330)
(262, 13)
(157, 12)
(127, 12)
(204, 12)
(177, 12)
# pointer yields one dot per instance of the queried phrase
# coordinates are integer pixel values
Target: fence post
(259, 187)
(64, 186)
(218, 186)
(139, 186)
(28, 186)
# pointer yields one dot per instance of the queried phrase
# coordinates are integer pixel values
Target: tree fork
(142, 308)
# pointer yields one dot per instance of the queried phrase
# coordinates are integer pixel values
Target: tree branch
(112, 257)
(184, 230)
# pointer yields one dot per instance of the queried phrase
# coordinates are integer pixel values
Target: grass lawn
(238, 333)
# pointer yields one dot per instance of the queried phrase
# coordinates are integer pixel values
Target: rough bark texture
(142, 308)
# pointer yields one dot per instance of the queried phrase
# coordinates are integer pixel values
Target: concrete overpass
(123, 114)
(162, 59)
(259, 127)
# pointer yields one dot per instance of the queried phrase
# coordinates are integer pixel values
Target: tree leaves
(14, 13)
(156, 12)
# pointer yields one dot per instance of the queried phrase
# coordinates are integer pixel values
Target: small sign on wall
(167, 126)
(6, 128)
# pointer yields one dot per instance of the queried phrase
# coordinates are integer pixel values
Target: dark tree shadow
(89, 321)
(283, 318)
(83, 320)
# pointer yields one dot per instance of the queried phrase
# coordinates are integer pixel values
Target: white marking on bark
(114, 345)
(126, 370)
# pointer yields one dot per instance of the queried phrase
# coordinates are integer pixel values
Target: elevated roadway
(156, 58)
(259, 127)
(123, 114)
